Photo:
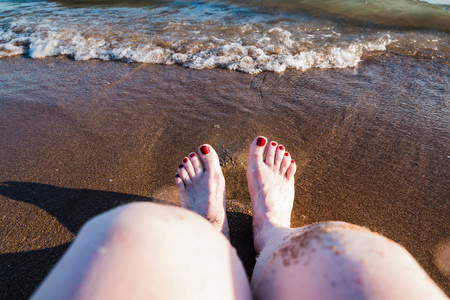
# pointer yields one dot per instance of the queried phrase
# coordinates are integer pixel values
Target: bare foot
(271, 185)
(202, 189)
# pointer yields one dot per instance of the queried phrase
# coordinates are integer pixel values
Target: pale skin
(150, 251)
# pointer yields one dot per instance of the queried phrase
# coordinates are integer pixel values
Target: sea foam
(275, 52)
(202, 36)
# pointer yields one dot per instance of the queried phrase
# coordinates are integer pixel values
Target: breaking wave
(203, 35)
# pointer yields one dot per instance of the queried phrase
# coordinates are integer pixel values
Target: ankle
(266, 234)
(225, 229)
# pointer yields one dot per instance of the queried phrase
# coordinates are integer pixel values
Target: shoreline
(81, 137)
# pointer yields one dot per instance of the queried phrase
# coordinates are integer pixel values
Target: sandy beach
(80, 137)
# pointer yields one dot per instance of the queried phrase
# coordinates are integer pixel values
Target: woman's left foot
(202, 188)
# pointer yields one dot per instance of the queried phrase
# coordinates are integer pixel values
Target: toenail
(261, 141)
(185, 160)
(286, 154)
(204, 149)
(292, 161)
(281, 147)
(274, 144)
(192, 154)
(176, 175)
(180, 166)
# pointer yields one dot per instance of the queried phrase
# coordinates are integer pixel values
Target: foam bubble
(9, 49)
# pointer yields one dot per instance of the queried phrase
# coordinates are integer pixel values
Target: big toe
(209, 157)
(257, 150)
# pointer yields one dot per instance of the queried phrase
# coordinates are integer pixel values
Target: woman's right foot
(270, 180)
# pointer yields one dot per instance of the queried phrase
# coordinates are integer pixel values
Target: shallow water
(371, 145)
(250, 36)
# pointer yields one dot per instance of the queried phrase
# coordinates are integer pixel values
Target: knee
(119, 216)
(340, 240)
(130, 217)
(342, 250)
(336, 247)
(331, 235)
(143, 219)
(334, 255)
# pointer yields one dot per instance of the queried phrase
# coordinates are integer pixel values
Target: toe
(270, 155)
(257, 149)
(279, 155)
(285, 163)
(184, 174)
(291, 170)
(209, 157)
(179, 182)
(189, 167)
(198, 169)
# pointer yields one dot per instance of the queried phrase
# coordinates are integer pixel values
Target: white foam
(9, 49)
(40, 48)
(202, 35)
(252, 60)
(275, 49)
(273, 54)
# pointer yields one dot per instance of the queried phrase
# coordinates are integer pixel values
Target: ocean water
(250, 36)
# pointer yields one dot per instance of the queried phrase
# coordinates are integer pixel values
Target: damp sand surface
(81, 137)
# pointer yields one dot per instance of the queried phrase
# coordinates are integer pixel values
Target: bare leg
(333, 260)
(151, 251)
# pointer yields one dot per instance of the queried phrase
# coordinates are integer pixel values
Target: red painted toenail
(176, 175)
(261, 141)
(204, 149)
(292, 161)
(281, 147)
(185, 160)
(192, 154)
(274, 144)
(180, 166)
(286, 154)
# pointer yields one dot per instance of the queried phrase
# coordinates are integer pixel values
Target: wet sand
(78, 138)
